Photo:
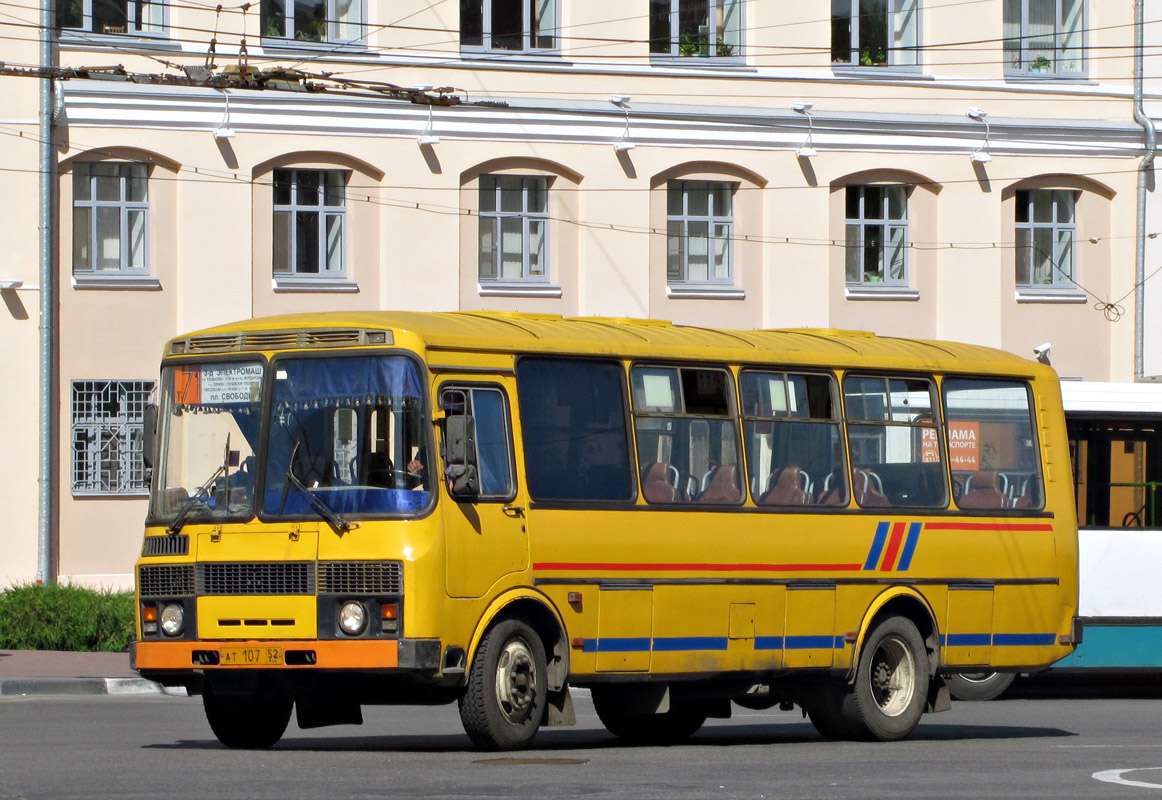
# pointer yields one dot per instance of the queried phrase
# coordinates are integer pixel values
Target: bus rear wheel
(670, 727)
(890, 690)
(979, 685)
(505, 699)
(248, 722)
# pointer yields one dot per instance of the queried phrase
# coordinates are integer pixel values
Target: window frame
(1025, 255)
(862, 222)
(530, 38)
(494, 219)
(671, 46)
(936, 424)
(471, 387)
(324, 211)
(133, 25)
(1042, 67)
(895, 9)
(331, 22)
(680, 412)
(88, 425)
(836, 422)
(711, 220)
(126, 208)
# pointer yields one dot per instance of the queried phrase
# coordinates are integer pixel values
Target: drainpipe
(46, 571)
(1145, 171)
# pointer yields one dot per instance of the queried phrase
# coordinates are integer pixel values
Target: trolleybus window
(686, 441)
(894, 441)
(349, 433)
(991, 448)
(574, 429)
(791, 427)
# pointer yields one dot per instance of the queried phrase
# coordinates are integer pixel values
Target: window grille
(107, 436)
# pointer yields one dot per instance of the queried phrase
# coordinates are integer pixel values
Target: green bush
(53, 617)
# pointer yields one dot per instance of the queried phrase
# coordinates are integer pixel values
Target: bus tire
(247, 722)
(891, 683)
(507, 693)
(979, 685)
(825, 710)
(670, 727)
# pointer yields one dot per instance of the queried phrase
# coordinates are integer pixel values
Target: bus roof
(1099, 398)
(515, 332)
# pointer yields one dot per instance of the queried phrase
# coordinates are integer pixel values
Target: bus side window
(894, 440)
(991, 444)
(573, 423)
(686, 435)
(791, 428)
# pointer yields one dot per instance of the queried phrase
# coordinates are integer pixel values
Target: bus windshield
(209, 425)
(347, 432)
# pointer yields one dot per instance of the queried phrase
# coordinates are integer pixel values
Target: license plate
(250, 657)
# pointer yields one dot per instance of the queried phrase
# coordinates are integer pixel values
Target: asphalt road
(1036, 744)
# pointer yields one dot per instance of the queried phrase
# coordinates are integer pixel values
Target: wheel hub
(893, 676)
(516, 680)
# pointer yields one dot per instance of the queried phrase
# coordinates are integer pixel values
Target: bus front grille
(166, 580)
(256, 578)
(360, 577)
(177, 544)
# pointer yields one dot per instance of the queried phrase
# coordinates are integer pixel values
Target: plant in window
(1040, 64)
(692, 45)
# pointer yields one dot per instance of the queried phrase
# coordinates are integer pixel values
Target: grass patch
(54, 617)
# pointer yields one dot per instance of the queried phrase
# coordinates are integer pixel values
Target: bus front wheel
(891, 683)
(670, 727)
(505, 699)
(248, 722)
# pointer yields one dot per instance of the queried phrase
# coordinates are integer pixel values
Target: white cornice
(123, 105)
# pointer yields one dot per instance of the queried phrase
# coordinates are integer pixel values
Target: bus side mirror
(149, 435)
(460, 455)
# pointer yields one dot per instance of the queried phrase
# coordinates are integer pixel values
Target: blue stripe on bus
(768, 643)
(968, 639)
(810, 642)
(1024, 639)
(618, 645)
(910, 546)
(671, 644)
(877, 547)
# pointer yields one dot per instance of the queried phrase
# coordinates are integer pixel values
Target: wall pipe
(1145, 173)
(46, 566)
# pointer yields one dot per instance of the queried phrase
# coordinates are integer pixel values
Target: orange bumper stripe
(328, 654)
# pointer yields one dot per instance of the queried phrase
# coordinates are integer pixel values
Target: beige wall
(412, 228)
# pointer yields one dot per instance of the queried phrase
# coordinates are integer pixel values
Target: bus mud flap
(560, 709)
(939, 698)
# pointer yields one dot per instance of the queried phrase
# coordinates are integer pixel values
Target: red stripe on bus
(701, 567)
(987, 526)
(893, 547)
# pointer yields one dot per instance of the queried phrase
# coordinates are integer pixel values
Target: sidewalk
(53, 672)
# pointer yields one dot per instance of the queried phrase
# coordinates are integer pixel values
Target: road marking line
(1115, 776)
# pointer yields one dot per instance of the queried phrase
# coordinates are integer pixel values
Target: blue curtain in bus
(351, 382)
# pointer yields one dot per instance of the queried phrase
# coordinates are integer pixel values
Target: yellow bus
(492, 508)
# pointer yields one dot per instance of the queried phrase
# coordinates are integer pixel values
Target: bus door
(485, 527)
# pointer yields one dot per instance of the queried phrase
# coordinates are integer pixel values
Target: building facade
(929, 168)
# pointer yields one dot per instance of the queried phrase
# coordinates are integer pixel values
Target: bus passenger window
(791, 427)
(573, 424)
(686, 439)
(991, 446)
(894, 440)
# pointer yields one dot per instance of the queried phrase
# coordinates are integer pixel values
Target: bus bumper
(151, 658)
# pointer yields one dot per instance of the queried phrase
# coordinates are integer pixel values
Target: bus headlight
(172, 619)
(352, 618)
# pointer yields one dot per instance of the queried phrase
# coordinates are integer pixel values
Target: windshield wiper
(324, 511)
(196, 498)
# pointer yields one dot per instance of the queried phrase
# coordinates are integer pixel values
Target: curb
(50, 687)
